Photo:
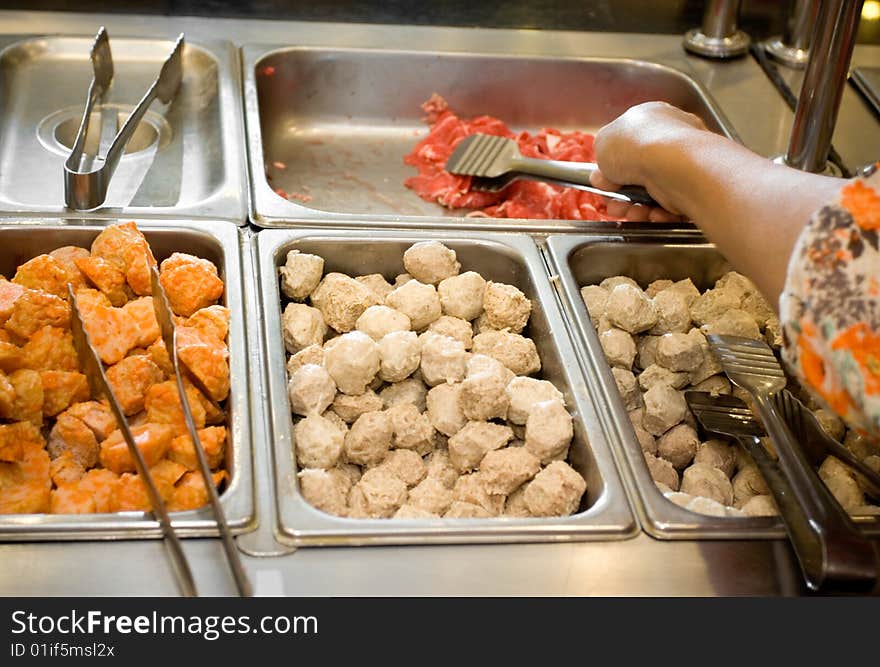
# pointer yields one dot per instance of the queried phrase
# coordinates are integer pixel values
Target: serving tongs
(99, 385)
(843, 556)
(169, 336)
(495, 162)
(87, 190)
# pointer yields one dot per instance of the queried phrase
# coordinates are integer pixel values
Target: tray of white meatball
(643, 306)
(424, 389)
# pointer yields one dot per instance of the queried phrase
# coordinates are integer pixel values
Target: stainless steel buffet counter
(748, 105)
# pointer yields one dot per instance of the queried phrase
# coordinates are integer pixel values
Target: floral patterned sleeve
(830, 307)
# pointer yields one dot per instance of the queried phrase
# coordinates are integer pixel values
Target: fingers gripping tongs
(87, 190)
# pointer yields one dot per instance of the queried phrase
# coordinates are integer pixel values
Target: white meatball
(748, 483)
(400, 354)
(376, 282)
(430, 262)
(311, 390)
(349, 408)
(556, 491)
(841, 481)
(412, 429)
(444, 409)
(300, 274)
(342, 300)
(596, 300)
(471, 488)
(377, 321)
(301, 326)
(662, 471)
(431, 495)
(860, 446)
(549, 430)
(313, 354)
(318, 442)
(673, 314)
(481, 324)
(737, 284)
(377, 495)
(506, 307)
(679, 352)
(678, 445)
(411, 391)
(399, 280)
(647, 351)
(516, 352)
(462, 510)
(657, 286)
(484, 396)
(462, 296)
(629, 309)
(352, 360)
(468, 447)
(831, 423)
(657, 374)
(453, 327)
(734, 322)
(418, 301)
(762, 505)
(480, 363)
(706, 506)
(756, 306)
(406, 465)
(440, 468)
(708, 482)
(612, 282)
(443, 359)
(712, 304)
(627, 387)
(710, 365)
(524, 393)
(323, 490)
(408, 511)
(664, 408)
(718, 454)
(717, 385)
(336, 420)
(505, 470)
(677, 497)
(369, 439)
(773, 332)
(687, 289)
(646, 440)
(515, 505)
(619, 347)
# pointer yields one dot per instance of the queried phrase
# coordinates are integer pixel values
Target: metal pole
(792, 48)
(832, 45)
(718, 36)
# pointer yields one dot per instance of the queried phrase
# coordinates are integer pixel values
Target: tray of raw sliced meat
(65, 471)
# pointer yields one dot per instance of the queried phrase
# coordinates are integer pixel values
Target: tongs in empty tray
(86, 190)
(847, 558)
(495, 162)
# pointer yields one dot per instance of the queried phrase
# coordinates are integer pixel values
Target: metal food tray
(218, 242)
(333, 124)
(583, 261)
(605, 512)
(183, 161)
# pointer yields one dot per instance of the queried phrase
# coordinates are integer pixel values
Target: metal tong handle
(88, 190)
(99, 385)
(843, 555)
(577, 174)
(169, 336)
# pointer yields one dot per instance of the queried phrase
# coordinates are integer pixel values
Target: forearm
(752, 209)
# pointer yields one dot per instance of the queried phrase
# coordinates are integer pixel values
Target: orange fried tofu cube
(159, 354)
(191, 283)
(112, 331)
(11, 356)
(190, 492)
(130, 495)
(163, 406)
(95, 415)
(61, 389)
(101, 483)
(87, 298)
(34, 462)
(130, 379)
(7, 395)
(72, 499)
(50, 348)
(144, 315)
(9, 294)
(213, 441)
(153, 440)
(125, 246)
(11, 445)
(165, 475)
(67, 256)
(71, 435)
(25, 498)
(65, 469)
(107, 277)
(34, 310)
(207, 358)
(28, 402)
(213, 321)
(45, 273)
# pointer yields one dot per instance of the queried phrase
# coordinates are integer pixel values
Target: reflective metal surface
(183, 160)
(219, 243)
(512, 259)
(586, 261)
(718, 37)
(330, 127)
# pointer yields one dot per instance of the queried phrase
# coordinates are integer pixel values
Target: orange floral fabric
(830, 308)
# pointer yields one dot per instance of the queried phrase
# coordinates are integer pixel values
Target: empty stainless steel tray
(333, 125)
(605, 512)
(219, 243)
(645, 257)
(184, 161)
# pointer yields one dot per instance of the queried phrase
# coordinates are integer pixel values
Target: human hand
(630, 150)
